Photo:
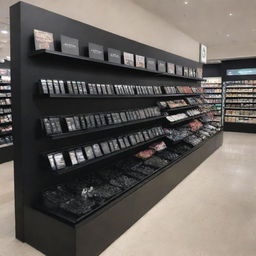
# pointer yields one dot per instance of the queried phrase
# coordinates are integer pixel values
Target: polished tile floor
(211, 213)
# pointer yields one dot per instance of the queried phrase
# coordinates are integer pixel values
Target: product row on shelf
(6, 138)
(213, 94)
(240, 102)
(116, 57)
(60, 87)
(78, 198)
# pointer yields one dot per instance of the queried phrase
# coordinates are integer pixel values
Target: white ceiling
(207, 21)
(210, 22)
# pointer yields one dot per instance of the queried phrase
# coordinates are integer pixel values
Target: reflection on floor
(211, 213)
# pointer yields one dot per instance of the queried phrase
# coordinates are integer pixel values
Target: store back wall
(125, 18)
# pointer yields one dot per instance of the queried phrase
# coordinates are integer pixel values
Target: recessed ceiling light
(230, 14)
(228, 35)
(4, 31)
(186, 2)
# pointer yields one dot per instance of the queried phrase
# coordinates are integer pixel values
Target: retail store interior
(127, 128)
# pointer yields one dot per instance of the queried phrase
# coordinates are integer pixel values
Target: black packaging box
(44, 87)
(75, 88)
(151, 64)
(70, 88)
(50, 86)
(69, 45)
(161, 66)
(114, 56)
(96, 51)
(179, 70)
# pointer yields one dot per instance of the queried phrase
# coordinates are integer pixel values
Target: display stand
(6, 143)
(50, 234)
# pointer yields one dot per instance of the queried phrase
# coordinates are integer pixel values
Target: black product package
(50, 86)
(44, 87)
(77, 123)
(105, 148)
(56, 86)
(121, 143)
(80, 87)
(83, 84)
(51, 161)
(97, 120)
(89, 152)
(59, 160)
(99, 90)
(62, 87)
(73, 158)
(70, 88)
(92, 121)
(82, 122)
(69, 45)
(114, 56)
(96, 51)
(75, 88)
(126, 141)
(97, 150)
(102, 119)
(47, 126)
(79, 155)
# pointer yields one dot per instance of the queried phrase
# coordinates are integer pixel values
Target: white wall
(127, 19)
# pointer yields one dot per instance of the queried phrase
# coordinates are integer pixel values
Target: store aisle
(211, 213)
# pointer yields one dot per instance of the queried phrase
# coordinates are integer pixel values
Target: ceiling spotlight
(4, 31)
(230, 14)
(228, 35)
(186, 2)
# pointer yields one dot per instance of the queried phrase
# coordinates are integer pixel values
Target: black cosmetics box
(69, 45)
(96, 51)
(151, 64)
(114, 56)
(161, 66)
(179, 70)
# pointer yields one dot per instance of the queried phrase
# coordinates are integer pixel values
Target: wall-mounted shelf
(103, 128)
(99, 159)
(87, 59)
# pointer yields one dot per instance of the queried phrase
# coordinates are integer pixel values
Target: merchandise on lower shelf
(240, 102)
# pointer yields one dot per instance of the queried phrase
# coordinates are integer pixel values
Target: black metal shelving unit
(213, 86)
(48, 231)
(6, 147)
(242, 118)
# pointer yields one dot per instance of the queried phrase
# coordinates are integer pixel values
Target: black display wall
(237, 64)
(47, 233)
(212, 70)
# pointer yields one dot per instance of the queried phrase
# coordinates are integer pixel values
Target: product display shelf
(235, 121)
(121, 96)
(103, 128)
(102, 158)
(123, 66)
(188, 118)
(69, 218)
(241, 108)
(181, 108)
(210, 86)
(6, 147)
(41, 228)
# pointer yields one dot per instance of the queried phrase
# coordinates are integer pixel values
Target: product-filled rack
(214, 95)
(240, 105)
(6, 140)
(98, 143)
